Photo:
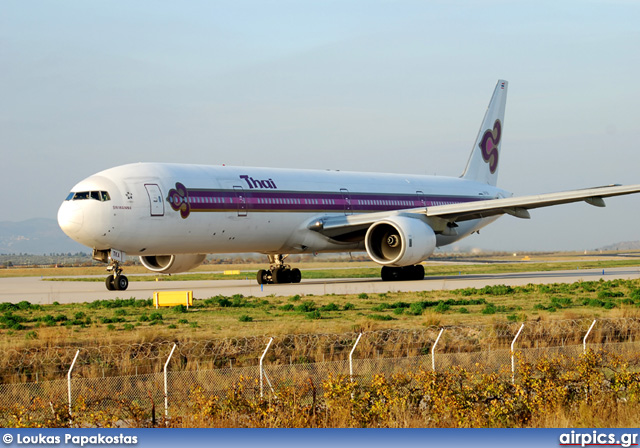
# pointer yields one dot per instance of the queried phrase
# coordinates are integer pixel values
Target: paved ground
(37, 290)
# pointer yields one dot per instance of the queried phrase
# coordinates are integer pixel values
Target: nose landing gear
(278, 272)
(116, 281)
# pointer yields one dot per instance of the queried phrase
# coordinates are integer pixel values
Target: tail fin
(485, 155)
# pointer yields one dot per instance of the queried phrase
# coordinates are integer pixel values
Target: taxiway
(41, 291)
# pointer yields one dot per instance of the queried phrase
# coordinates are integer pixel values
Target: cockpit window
(81, 195)
(101, 196)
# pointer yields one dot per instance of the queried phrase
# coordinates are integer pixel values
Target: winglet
(485, 156)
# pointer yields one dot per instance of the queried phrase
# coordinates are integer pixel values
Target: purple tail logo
(179, 201)
(489, 145)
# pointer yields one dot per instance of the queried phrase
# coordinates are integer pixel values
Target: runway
(39, 290)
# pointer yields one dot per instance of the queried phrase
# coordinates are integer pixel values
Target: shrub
(349, 306)
(363, 295)
(442, 307)
(315, 314)
(380, 317)
(489, 308)
(605, 294)
(399, 305)
(497, 290)
(330, 307)
(306, 307)
(245, 318)
(415, 309)
(179, 309)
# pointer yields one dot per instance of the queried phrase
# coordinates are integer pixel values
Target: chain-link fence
(457, 347)
(49, 361)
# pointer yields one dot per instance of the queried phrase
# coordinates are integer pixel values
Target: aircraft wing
(515, 206)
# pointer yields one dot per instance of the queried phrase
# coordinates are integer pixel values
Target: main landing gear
(116, 281)
(415, 272)
(278, 272)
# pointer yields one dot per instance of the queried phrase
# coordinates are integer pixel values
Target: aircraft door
(155, 199)
(346, 196)
(241, 201)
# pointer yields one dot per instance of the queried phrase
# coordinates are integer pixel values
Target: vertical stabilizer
(485, 155)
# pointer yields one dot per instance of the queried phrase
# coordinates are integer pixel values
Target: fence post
(351, 357)
(584, 341)
(433, 351)
(166, 389)
(69, 379)
(261, 370)
(513, 360)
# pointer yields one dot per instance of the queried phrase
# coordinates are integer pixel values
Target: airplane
(172, 215)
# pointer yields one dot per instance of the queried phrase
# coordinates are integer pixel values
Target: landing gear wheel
(418, 272)
(281, 275)
(262, 277)
(116, 281)
(121, 282)
(389, 273)
(278, 272)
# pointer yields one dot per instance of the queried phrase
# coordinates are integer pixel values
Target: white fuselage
(159, 209)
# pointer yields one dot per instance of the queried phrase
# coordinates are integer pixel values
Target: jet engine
(171, 264)
(400, 241)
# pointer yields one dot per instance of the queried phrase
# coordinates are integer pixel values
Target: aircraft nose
(70, 218)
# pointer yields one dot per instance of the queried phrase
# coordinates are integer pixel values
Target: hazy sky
(397, 86)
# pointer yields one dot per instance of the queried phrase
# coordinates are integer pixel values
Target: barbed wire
(456, 339)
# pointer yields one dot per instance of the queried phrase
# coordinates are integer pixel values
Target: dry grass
(596, 389)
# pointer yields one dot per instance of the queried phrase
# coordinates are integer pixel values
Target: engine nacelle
(171, 264)
(400, 241)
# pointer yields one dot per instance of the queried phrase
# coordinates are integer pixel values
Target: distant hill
(36, 236)
(625, 245)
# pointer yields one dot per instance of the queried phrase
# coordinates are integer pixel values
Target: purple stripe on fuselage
(201, 200)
